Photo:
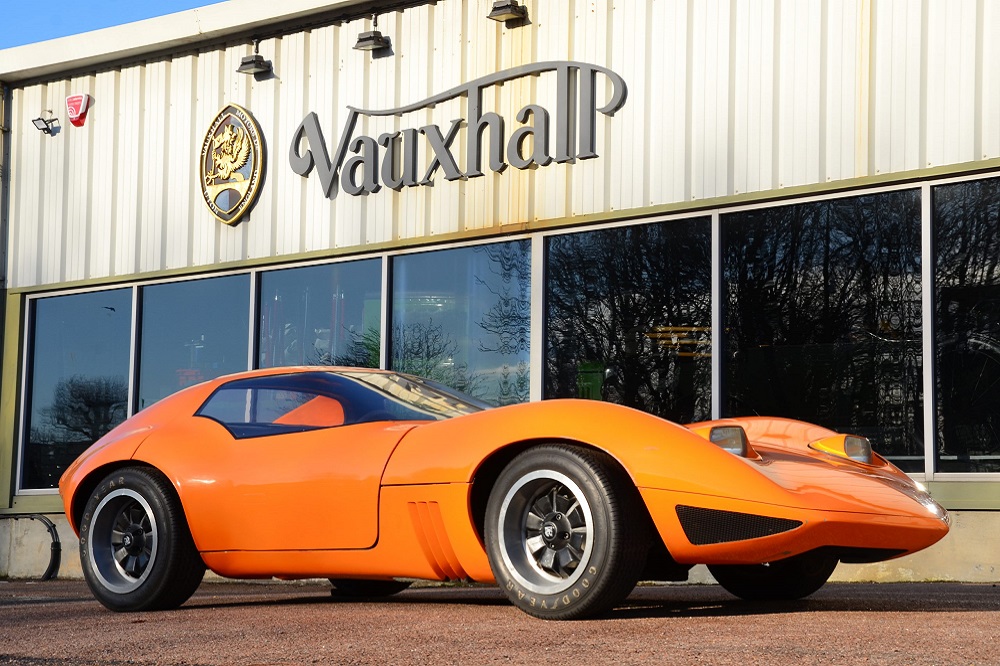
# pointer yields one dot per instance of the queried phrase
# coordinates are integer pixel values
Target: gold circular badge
(232, 161)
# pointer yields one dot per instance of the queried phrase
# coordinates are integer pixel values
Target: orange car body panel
(395, 499)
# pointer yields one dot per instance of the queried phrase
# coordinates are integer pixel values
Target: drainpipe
(6, 105)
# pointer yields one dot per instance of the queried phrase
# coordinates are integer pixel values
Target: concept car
(374, 479)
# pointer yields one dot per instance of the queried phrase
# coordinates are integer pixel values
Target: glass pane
(462, 318)
(822, 318)
(628, 317)
(966, 227)
(78, 379)
(321, 315)
(192, 331)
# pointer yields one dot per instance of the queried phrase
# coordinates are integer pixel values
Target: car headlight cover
(846, 446)
(730, 438)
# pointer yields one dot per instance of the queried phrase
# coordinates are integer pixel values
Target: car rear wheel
(373, 589)
(135, 548)
(784, 580)
(566, 533)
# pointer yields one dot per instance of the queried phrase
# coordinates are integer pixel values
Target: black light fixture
(508, 10)
(372, 40)
(44, 125)
(254, 64)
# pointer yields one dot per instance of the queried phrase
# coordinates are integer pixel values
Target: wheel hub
(556, 531)
(134, 540)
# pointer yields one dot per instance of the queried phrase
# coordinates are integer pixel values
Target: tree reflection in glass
(966, 223)
(822, 317)
(628, 316)
(192, 331)
(321, 315)
(462, 317)
(78, 384)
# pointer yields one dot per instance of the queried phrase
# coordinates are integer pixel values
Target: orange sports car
(373, 479)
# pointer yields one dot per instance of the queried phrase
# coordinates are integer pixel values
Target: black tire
(566, 532)
(784, 580)
(366, 589)
(135, 548)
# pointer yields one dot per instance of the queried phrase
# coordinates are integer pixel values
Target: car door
(288, 472)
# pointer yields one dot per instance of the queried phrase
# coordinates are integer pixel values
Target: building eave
(170, 33)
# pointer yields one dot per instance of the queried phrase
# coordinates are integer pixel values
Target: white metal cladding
(724, 97)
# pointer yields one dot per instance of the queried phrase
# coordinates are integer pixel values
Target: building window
(966, 228)
(628, 317)
(192, 331)
(822, 318)
(462, 317)
(78, 378)
(321, 315)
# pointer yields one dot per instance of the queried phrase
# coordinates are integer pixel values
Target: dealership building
(698, 209)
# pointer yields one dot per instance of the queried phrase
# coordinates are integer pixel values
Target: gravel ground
(907, 624)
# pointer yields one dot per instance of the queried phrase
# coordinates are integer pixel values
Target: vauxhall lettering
(363, 164)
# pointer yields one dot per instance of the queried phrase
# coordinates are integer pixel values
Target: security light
(508, 10)
(254, 64)
(372, 40)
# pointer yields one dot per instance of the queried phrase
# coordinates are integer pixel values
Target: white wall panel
(989, 38)
(152, 172)
(709, 93)
(125, 168)
(798, 95)
(55, 203)
(77, 215)
(180, 170)
(668, 80)
(753, 108)
(208, 92)
(844, 72)
(280, 104)
(725, 98)
(951, 81)
(102, 186)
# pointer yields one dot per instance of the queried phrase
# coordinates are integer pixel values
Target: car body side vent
(708, 526)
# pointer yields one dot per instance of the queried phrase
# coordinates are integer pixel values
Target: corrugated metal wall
(724, 97)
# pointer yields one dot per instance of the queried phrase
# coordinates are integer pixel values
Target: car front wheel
(565, 532)
(135, 548)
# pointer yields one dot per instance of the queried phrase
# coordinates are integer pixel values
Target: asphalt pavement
(906, 624)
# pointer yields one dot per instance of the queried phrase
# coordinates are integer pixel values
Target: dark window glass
(279, 404)
(192, 331)
(321, 315)
(966, 228)
(822, 318)
(462, 317)
(628, 317)
(78, 378)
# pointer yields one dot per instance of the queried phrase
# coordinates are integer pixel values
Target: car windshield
(423, 395)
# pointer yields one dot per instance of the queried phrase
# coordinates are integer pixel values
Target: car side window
(257, 412)
(296, 402)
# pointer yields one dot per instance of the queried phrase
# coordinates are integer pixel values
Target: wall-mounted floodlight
(508, 10)
(45, 125)
(373, 39)
(254, 64)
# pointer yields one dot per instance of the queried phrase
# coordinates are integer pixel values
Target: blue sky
(25, 22)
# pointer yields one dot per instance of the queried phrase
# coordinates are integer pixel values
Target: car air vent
(708, 526)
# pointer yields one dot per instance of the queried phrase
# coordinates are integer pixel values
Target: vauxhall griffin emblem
(232, 162)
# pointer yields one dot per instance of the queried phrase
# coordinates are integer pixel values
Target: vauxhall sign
(363, 164)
